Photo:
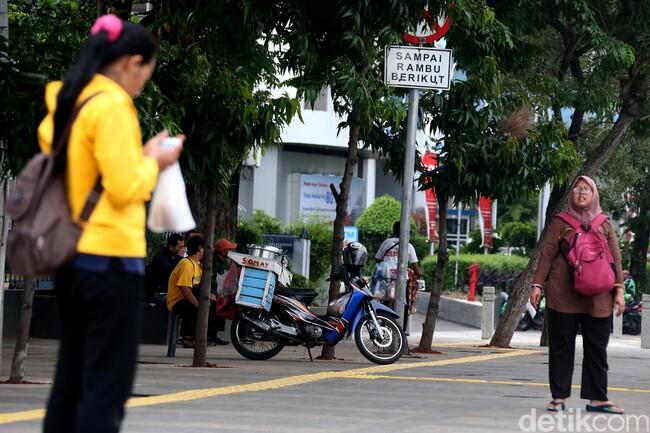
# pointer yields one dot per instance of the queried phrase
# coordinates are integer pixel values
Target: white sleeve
(413, 258)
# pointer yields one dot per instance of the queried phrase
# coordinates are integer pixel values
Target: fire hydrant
(473, 270)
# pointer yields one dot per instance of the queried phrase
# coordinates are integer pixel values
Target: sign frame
(407, 86)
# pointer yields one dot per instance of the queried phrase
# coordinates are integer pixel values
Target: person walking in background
(99, 291)
(569, 310)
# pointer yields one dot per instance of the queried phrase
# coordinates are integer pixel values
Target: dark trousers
(188, 313)
(562, 331)
(100, 317)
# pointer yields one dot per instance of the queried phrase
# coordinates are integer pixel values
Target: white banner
(316, 197)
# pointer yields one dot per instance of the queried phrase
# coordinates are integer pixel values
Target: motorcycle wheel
(538, 321)
(632, 324)
(525, 323)
(385, 351)
(249, 341)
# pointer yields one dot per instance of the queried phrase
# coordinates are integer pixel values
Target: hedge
(496, 270)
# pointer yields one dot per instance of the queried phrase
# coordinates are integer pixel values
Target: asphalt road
(467, 388)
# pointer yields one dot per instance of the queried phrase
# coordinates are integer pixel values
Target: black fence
(15, 282)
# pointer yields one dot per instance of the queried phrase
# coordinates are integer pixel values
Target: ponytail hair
(110, 39)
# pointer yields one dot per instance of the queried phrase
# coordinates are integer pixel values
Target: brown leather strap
(92, 200)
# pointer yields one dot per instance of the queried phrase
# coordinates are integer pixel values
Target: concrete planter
(453, 310)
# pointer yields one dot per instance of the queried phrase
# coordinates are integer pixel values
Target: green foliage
(44, 38)
(496, 270)
(300, 282)
(376, 222)
(475, 242)
(319, 232)
(216, 91)
(523, 209)
(252, 230)
(519, 235)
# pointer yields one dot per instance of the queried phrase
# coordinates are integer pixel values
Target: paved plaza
(465, 388)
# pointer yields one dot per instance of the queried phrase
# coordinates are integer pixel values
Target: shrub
(251, 231)
(376, 222)
(474, 246)
(519, 235)
(319, 231)
(497, 270)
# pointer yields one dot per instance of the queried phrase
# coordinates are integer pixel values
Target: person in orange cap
(225, 280)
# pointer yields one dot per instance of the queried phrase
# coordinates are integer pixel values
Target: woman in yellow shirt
(99, 291)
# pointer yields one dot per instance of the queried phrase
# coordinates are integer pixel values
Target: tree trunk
(4, 229)
(17, 374)
(121, 8)
(508, 322)
(4, 19)
(341, 197)
(201, 334)
(429, 325)
(639, 250)
(227, 209)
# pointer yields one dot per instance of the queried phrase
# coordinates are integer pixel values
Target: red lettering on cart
(255, 263)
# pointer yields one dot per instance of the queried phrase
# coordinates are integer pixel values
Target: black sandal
(558, 405)
(605, 408)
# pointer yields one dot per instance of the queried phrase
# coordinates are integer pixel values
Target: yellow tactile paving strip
(366, 373)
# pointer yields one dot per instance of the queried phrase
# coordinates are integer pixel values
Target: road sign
(351, 233)
(429, 31)
(418, 67)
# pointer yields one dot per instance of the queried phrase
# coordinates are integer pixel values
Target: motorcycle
(260, 335)
(632, 318)
(531, 317)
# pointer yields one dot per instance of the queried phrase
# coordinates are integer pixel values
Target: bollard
(645, 322)
(617, 329)
(487, 313)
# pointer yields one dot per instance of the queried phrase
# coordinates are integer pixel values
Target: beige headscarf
(588, 214)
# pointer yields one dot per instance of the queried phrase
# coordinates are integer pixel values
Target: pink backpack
(589, 257)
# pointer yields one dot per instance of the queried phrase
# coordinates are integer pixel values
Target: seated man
(182, 289)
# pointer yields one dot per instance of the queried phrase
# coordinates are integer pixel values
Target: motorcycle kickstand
(309, 351)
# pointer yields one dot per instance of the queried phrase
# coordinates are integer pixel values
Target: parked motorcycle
(260, 335)
(531, 317)
(632, 318)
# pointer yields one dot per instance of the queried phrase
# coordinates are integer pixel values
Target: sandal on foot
(605, 408)
(555, 406)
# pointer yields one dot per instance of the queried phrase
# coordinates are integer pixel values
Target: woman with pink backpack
(581, 272)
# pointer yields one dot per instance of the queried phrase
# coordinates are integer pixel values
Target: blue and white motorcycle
(260, 335)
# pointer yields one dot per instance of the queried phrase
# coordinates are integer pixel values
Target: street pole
(4, 19)
(401, 305)
(4, 31)
(460, 209)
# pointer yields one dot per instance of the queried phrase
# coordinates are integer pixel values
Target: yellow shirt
(106, 139)
(187, 273)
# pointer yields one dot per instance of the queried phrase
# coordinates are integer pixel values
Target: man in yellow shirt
(185, 277)
(181, 298)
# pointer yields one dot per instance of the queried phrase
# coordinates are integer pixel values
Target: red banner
(430, 160)
(485, 218)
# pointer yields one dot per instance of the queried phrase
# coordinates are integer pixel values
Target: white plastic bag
(169, 210)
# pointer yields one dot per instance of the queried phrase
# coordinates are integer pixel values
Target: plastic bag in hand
(169, 210)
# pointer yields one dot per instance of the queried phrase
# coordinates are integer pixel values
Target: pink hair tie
(111, 24)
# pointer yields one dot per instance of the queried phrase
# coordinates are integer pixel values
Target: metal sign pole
(401, 306)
